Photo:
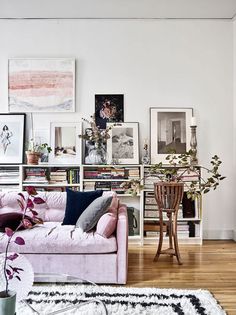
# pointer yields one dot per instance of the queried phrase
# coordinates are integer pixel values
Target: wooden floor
(211, 266)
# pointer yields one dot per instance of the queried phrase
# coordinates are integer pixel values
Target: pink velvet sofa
(53, 248)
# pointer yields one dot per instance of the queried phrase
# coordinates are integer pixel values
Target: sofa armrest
(122, 244)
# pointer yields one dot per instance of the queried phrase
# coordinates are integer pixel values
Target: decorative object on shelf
(108, 108)
(95, 142)
(35, 151)
(10, 270)
(193, 142)
(12, 133)
(123, 143)
(42, 136)
(65, 143)
(145, 158)
(41, 85)
(169, 130)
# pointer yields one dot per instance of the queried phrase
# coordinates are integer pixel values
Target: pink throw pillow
(106, 225)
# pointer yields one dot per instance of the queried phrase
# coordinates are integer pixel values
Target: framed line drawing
(123, 144)
(12, 138)
(169, 130)
(41, 85)
(65, 143)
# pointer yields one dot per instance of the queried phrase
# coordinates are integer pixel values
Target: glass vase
(97, 154)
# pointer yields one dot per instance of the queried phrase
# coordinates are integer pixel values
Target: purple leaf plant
(26, 204)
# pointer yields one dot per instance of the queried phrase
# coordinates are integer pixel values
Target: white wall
(234, 118)
(179, 63)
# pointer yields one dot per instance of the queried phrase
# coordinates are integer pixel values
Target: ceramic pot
(8, 303)
(32, 157)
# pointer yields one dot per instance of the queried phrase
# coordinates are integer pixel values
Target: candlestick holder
(145, 157)
(193, 146)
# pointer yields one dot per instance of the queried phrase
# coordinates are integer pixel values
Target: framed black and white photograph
(169, 131)
(109, 108)
(65, 143)
(123, 145)
(12, 138)
(93, 154)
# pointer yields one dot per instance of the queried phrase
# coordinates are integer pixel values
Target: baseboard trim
(219, 235)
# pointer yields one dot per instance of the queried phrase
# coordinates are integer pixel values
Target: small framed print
(169, 131)
(65, 143)
(12, 138)
(123, 144)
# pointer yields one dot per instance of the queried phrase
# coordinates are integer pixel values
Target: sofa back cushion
(52, 210)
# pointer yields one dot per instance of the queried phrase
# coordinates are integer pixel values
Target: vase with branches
(178, 167)
(95, 142)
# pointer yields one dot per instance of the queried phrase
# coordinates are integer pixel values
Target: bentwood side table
(169, 196)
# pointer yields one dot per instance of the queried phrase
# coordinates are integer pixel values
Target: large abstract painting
(41, 85)
(12, 130)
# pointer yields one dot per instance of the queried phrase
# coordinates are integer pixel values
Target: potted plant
(170, 173)
(35, 151)
(8, 297)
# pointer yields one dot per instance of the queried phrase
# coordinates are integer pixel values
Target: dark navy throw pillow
(76, 203)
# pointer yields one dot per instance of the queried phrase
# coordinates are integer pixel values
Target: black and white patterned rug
(119, 300)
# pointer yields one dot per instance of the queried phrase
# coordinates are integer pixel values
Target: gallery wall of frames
(48, 86)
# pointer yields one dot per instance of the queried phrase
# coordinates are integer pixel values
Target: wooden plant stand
(169, 196)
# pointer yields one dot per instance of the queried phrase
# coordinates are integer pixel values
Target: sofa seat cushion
(54, 238)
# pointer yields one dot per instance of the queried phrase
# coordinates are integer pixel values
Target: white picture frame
(65, 143)
(12, 138)
(41, 85)
(123, 144)
(169, 130)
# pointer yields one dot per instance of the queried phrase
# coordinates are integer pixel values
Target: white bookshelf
(137, 202)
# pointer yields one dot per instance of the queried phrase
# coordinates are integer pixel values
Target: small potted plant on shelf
(36, 151)
(95, 142)
(26, 203)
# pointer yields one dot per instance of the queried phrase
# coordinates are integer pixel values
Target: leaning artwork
(41, 85)
(12, 138)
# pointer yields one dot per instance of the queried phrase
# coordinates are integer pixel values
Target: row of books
(187, 208)
(184, 229)
(65, 176)
(115, 186)
(35, 176)
(112, 173)
(55, 176)
(9, 176)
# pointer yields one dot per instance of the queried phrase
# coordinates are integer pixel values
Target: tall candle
(193, 121)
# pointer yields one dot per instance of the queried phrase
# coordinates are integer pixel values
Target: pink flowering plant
(27, 204)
